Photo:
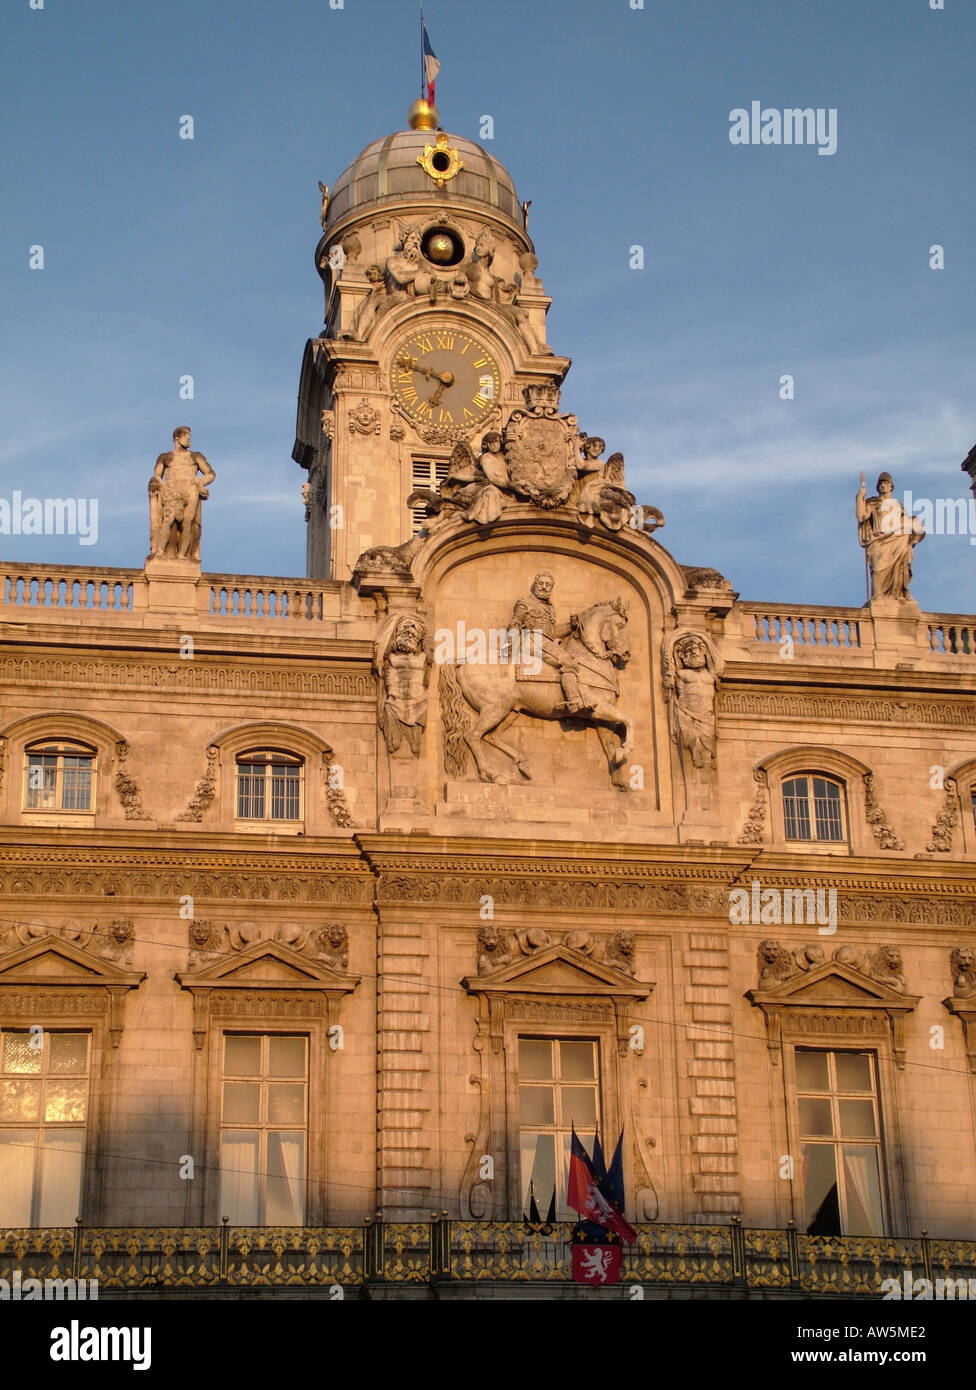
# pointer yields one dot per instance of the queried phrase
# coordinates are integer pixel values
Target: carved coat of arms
(542, 456)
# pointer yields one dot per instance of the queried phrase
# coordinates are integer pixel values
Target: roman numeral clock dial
(444, 380)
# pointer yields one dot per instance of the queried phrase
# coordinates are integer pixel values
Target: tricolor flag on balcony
(591, 1187)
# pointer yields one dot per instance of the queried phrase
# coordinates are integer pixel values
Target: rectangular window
(264, 1129)
(250, 794)
(426, 473)
(826, 805)
(812, 809)
(43, 1116)
(840, 1143)
(796, 809)
(558, 1089)
(59, 780)
(269, 786)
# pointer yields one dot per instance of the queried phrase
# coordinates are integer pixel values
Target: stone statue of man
(405, 670)
(889, 535)
(177, 488)
(533, 614)
(689, 685)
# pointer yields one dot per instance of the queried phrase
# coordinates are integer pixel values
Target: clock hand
(411, 364)
(435, 398)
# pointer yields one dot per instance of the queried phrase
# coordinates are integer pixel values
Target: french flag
(585, 1196)
(431, 65)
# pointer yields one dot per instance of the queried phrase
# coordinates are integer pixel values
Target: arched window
(813, 808)
(59, 776)
(269, 785)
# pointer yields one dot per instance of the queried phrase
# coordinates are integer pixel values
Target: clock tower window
(430, 473)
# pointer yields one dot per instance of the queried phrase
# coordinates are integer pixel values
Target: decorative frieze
(843, 709)
(103, 673)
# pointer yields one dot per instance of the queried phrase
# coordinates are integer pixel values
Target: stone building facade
(349, 895)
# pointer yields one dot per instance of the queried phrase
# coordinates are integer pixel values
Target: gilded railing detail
(679, 1255)
(851, 1265)
(406, 1250)
(510, 1250)
(469, 1253)
(305, 1256)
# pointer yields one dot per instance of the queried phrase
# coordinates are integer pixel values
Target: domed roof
(389, 168)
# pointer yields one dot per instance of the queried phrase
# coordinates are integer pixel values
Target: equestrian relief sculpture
(574, 679)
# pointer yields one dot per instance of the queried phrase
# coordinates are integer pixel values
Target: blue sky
(165, 256)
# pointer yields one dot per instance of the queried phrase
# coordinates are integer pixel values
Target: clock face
(445, 379)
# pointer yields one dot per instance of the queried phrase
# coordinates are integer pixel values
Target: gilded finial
(423, 115)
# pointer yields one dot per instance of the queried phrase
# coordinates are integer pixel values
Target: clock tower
(435, 330)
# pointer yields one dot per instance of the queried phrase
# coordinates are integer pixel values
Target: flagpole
(423, 69)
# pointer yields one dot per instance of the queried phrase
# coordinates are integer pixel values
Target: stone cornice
(828, 679)
(658, 881)
(843, 704)
(232, 674)
(57, 868)
(653, 881)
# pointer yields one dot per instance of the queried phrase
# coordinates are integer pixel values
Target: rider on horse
(534, 613)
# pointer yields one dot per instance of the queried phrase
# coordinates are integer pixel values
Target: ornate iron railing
(471, 1253)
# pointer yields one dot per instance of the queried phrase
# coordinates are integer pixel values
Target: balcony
(454, 1259)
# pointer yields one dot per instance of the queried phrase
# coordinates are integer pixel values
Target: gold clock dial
(443, 377)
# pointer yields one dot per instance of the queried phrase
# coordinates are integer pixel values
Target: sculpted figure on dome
(177, 489)
(889, 535)
(324, 212)
(403, 268)
(376, 303)
(495, 289)
(403, 659)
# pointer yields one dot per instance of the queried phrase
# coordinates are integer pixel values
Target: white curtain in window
(61, 1177)
(238, 1178)
(16, 1176)
(290, 1203)
(864, 1216)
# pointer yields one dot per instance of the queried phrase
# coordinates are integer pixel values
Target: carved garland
(944, 829)
(754, 832)
(335, 797)
(876, 818)
(126, 788)
(206, 790)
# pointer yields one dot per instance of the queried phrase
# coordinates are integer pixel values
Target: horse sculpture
(499, 693)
